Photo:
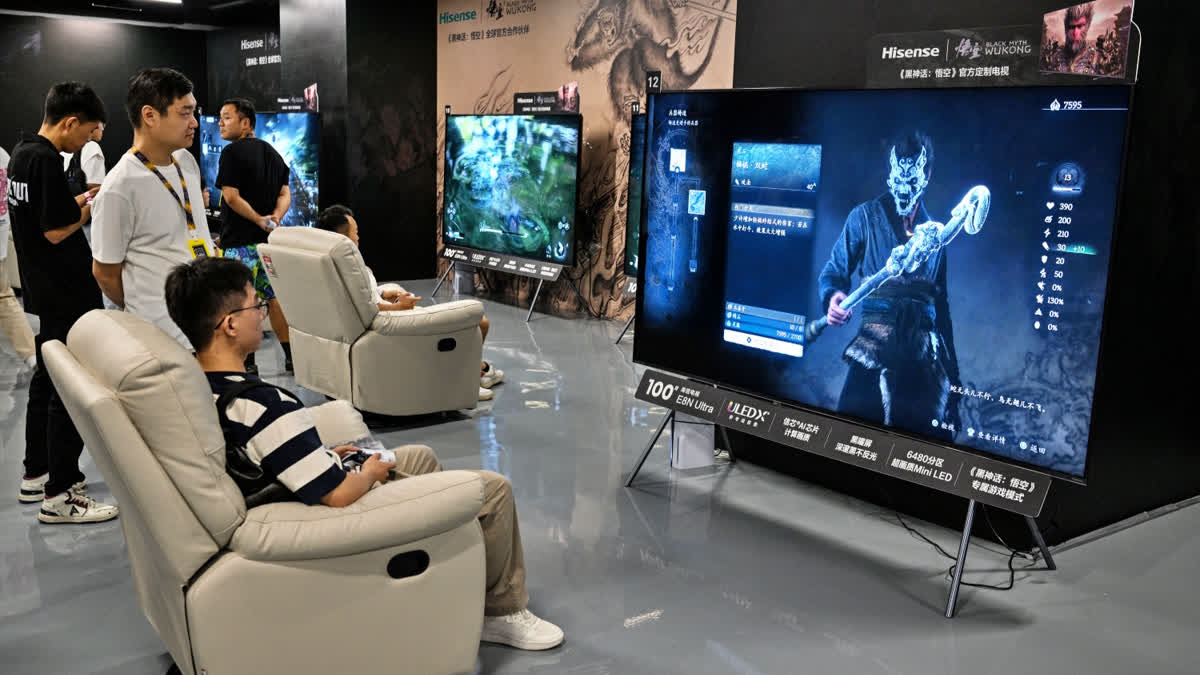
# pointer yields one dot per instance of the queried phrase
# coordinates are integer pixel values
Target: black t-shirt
(258, 172)
(57, 278)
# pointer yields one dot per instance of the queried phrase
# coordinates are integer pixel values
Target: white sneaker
(491, 378)
(72, 507)
(33, 490)
(485, 394)
(522, 630)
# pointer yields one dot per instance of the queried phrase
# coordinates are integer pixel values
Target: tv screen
(932, 262)
(296, 136)
(510, 184)
(633, 219)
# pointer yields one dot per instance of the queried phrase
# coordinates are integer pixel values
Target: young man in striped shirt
(214, 302)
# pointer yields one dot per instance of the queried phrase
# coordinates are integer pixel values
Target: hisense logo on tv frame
(455, 17)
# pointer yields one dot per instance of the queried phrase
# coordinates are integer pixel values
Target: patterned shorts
(249, 257)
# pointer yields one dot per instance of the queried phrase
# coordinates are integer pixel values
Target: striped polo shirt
(279, 436)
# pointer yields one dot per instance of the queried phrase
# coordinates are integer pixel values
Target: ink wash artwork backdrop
(489, 50)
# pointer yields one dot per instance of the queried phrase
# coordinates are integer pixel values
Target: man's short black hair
(335, 218)
(73, 99)
(157, 88)
(244, 107)
(202, 291)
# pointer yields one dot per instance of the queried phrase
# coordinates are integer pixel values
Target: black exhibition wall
(231, 75)
(375, 71)
(1142, 454)
(36, 52)
(391, 131)
(312, 36)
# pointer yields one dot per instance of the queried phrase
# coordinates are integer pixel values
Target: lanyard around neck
(186, 202)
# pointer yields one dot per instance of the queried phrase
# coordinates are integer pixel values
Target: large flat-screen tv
(633, 218)
(963, 237)
(510, 184)
(296, 136)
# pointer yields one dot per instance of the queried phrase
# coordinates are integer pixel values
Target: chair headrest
(166, 395)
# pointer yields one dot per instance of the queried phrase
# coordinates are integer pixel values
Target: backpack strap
(256, 486)
(236, 389)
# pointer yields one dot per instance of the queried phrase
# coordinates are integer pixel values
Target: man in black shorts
(253, 180)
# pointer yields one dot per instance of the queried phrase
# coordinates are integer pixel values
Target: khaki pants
(505, 592)
(12, 317)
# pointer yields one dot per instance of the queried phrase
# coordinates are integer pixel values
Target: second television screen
(633, 218)
(510, 184)
(990, 213)
(296, 136)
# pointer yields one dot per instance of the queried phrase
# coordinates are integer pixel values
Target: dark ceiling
(191, 13)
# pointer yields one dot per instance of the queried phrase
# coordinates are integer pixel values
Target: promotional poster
(296, 137)
(1091, 38)
(489, 52)
(511, 184)
(940, 269)
(1072, 46)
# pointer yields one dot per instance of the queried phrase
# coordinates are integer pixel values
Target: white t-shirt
(378, 295)
(135, 220)
(91, 161)
(376, 291)
(5, 222)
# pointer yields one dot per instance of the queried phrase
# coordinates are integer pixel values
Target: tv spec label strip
(524, 267)
(1006, 486)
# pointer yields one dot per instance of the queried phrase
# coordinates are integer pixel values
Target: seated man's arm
(402, 303)
(285, 443)
(356, 485)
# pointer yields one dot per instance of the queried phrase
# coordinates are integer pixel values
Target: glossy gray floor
(734, 570)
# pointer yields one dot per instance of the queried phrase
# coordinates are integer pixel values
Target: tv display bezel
(1081, 479)
(570, 261)
(629, 187)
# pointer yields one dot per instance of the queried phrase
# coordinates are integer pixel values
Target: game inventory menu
(773, 189)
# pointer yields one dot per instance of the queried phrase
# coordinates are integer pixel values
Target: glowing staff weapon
(927, 238)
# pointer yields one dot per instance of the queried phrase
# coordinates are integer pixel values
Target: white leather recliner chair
(283, 588)
(393, 363)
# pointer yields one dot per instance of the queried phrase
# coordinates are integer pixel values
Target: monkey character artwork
(1094, 39)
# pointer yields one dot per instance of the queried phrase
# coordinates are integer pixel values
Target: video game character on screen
(510, 184)
(902, 361)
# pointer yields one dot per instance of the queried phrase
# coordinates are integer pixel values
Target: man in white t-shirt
(149, 215)
(91, 159)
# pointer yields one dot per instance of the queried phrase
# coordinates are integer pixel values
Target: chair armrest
(433, 320)
(337, 423)
(394, 514)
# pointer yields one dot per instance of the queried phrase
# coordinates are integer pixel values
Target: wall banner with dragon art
(600, 50)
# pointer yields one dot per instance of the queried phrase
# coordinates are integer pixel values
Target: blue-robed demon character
(902, 362)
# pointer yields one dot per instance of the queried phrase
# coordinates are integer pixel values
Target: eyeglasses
(261, 306)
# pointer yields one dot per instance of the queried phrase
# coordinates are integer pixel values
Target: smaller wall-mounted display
(296, 137)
